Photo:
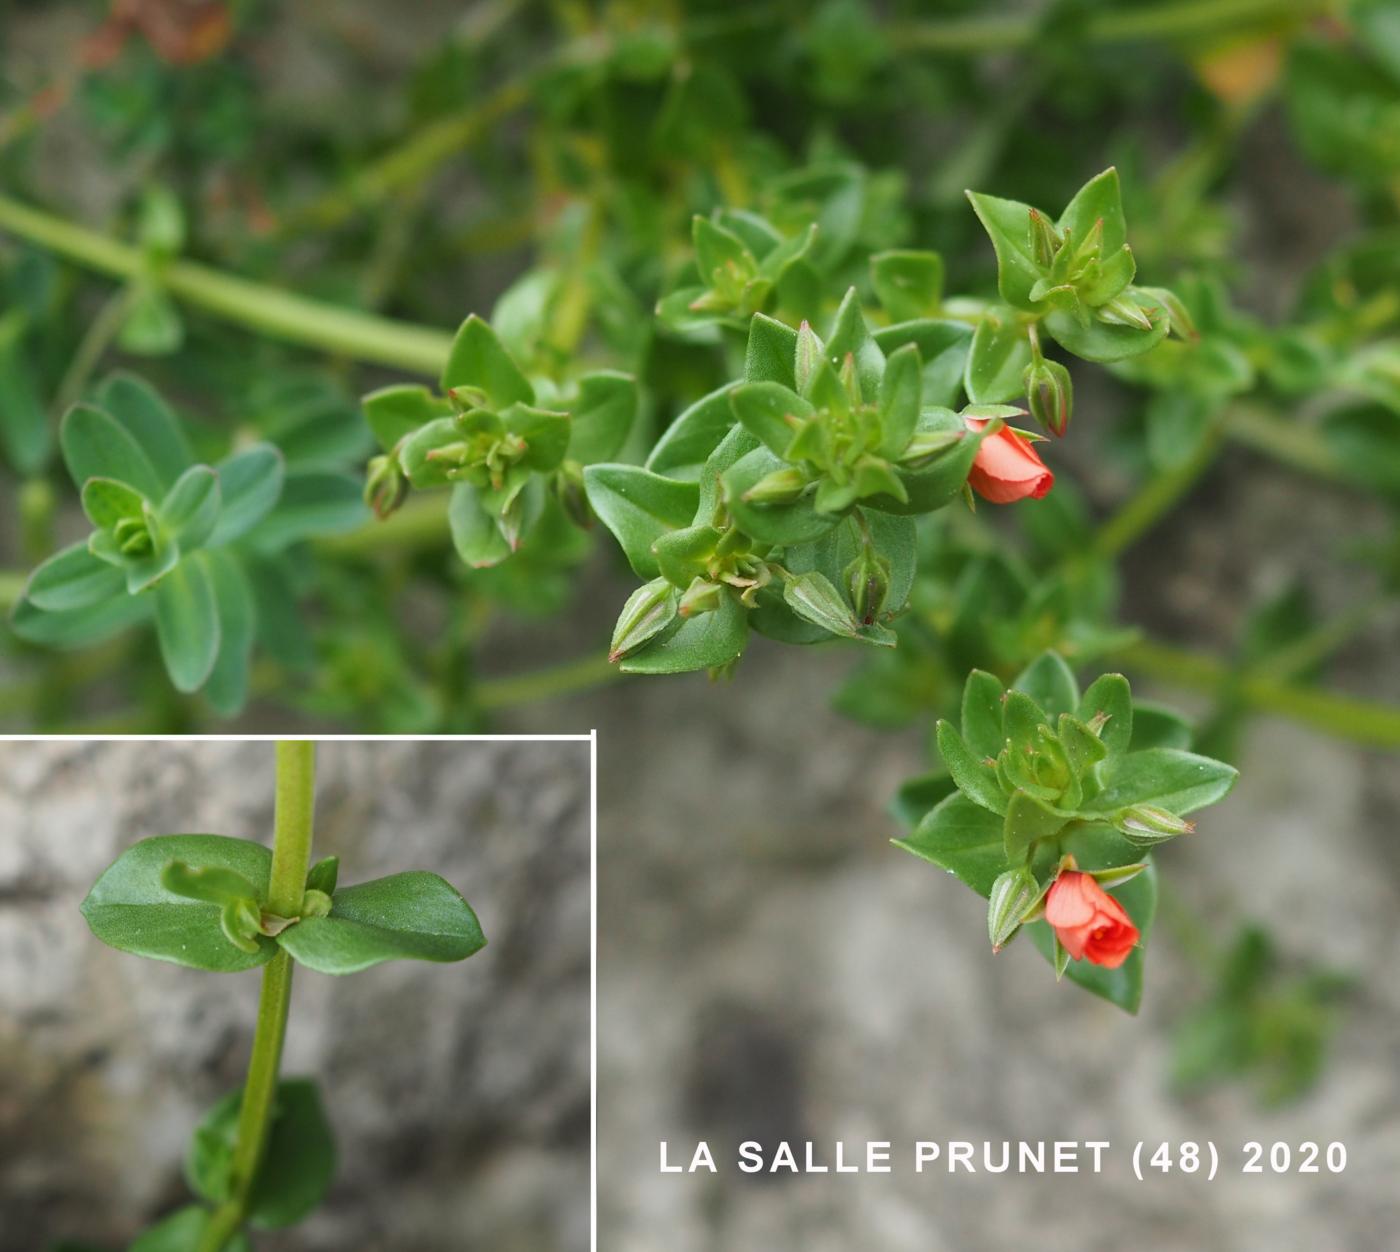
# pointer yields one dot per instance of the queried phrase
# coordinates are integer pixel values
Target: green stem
(1157, 498)
(96, 340)
(593, 670)
(291, 857)
(268, 310)
(1173, 19)
(1366, 722)
(1290, 443)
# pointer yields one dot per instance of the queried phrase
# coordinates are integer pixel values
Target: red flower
(1090, 923)
(1006, 467)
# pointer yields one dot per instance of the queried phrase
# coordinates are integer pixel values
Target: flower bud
(568, 487)
(927, 445)
(385, 486)
(648, 611)
(241, 921)
(702, 596)
(1014, 900)
(1050, 394)
(315, 903)
(1146, 824)
(782, 486)
(1124, 311)
(812, 597)
(868, 584)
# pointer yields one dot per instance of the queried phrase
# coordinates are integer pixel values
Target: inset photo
(295, 995)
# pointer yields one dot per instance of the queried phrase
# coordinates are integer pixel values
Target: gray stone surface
(770, 968)
(459, 1093)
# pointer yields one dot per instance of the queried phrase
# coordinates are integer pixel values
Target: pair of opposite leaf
(200, 901)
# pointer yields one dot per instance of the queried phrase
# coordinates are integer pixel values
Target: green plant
(264, 1155)
(734, 312)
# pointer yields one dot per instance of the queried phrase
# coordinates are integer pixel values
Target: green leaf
(107, 502)
(784, 524)
(475, 535)
(191, 507)
(187, 624)
(477, 359)
(963, 838)
(603, 416)
(73, 579)
(153, 325)
(298, 1162)
(96, 445)
(700, 642)
(943, 347)
(851, 336)
(763, 409)
(1177, 781)
(1099, 198)
(129, 909)
(718, 249)
(900, 391)
(981, 713)
(770, 353)
(25, 435)
(639, 506)
(1121, 986)
(79, 627)
(397, 411)
(1007, 222)
(250, 483)
(1156, 726)
(137, 405)
(413, 915)
(311, 503)
(687, 442)
(1109, 694)
(1027, 820)
(974, 777)
(1105, 342)
(546, 435)
(181, 1231)
(1050, 683)
(1001, 350)
(236, 609)
(908, 284)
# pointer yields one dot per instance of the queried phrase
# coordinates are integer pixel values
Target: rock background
(459, 1094)
(770, 968)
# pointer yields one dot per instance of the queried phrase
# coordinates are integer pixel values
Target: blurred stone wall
(771, 968)
(459, 1093)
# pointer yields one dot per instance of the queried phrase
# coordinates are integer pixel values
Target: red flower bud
(1089, 922)
(1006, 467)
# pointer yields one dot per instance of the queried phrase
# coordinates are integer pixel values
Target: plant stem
(1173, 19)
(291, 857)
(269, 310)
(1367, 722)
(96, 340)
(1156, 499)
(592, 670)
